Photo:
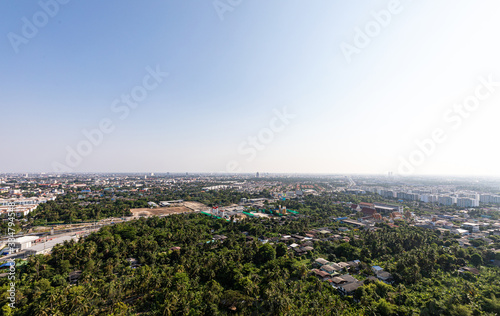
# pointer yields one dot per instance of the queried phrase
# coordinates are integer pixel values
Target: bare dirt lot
(159, 211)
(184, 207)
(195, 206)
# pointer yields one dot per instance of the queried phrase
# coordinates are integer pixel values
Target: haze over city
(409, 87)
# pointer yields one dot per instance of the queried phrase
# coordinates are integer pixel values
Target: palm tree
(42, 309)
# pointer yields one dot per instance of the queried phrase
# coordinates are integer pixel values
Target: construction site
(239, 213)
(175, 207)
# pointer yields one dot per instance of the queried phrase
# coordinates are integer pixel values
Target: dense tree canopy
(176, 266)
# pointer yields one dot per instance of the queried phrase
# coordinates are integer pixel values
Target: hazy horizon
(327, 87)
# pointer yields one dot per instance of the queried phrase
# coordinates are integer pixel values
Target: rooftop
(26, 239)
(50, 244)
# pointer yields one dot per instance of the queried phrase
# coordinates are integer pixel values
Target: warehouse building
(23, 243)
(46, 247)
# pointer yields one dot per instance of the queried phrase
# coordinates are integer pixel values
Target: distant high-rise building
(257, 175)
(429, 198)
(408, 196)
(446, 200)
(467, 202)
(489, 199)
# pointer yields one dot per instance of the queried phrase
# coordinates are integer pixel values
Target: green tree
(385, 308)
(265, 253)
(476, 260)
(281, 250)
(6, 310)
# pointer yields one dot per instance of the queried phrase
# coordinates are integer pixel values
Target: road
(85, 230)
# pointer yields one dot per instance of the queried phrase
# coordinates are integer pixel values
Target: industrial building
(23, 243)
(46, 247)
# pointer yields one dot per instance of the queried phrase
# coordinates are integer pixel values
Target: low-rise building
(474, 227)
(321, 261)
(349, 288)
(24, 242)
(46, 247)
(329, 269)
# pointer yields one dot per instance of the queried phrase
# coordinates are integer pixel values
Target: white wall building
(467, 202)
(472, 226)
(429, 198)
(446, 200)
(25, 242)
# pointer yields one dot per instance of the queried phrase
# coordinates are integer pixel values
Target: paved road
(69, 231)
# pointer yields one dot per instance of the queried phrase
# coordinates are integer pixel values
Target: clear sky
(360, 83)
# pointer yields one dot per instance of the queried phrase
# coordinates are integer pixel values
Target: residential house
(377, 269)
(328, 268)
(343, 265)
(469, 269)
(349, 288)
(348, 278)
(354, 265)
(321, 274)
(321, 261)
(385, 277)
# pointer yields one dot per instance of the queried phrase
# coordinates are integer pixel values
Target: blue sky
(227, 78)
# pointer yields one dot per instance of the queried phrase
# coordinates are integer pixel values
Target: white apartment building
(489, 199)
(467, 202)
(429, 198)
(446, 200)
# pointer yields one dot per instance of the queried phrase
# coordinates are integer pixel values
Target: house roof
(366, 204)
(384, 275)
(328, 268)
(337, 280)
(350, 287)
(348, 278)
(368, 211)
(7, 264)
(335, 266)
(320, 273)
(321, 261)
(353, 264)
(471, 270)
